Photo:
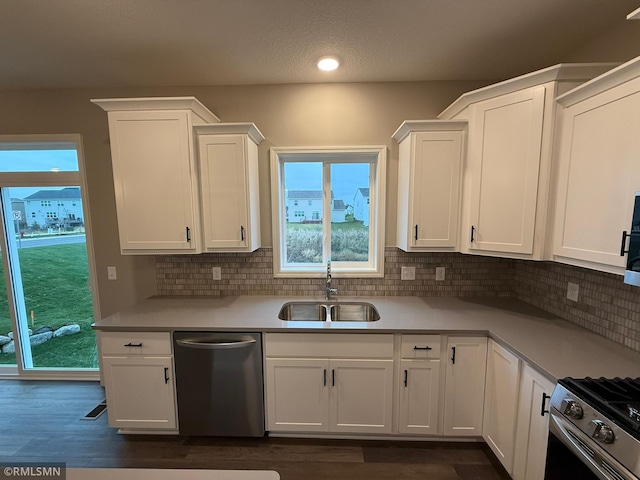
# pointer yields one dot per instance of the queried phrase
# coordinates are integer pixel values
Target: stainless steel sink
(329, 312)
(354, 312)
(303, 311)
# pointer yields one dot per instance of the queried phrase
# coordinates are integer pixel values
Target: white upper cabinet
(154, 172)
(429, 176)
(599, 169)
(228, 161)
(507, 179)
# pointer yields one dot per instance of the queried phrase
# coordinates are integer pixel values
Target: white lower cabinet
(501, 403)
(419, 384)
(532, 426)
(419, 397)
(464, 385)
(329, 383)
(138, 376)
(297, 394)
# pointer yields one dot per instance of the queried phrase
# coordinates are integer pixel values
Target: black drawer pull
(324, 379)
(406, 378)
(188, 230)
(453, 355)
(241, 233)
(416, 234)
(166, 376)
(133, 344)
(422, 348)
(544, 400)
(473, 231)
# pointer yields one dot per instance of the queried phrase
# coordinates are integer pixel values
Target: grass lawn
(55, 281)
(349, 242)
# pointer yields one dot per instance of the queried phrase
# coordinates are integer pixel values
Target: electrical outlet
(217, 273)
(408, 273)
(439, 274)
(572, 291)
(111, 273)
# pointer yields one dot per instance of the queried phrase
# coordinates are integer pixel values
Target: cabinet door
(224, 185)
(140, 392)
(152, 171)
(533, 426)
(435, 189)
(464, 385)
(504, 151)
(361, 396)
(419, 384)
(598, 176)
(297, 394)
(501, 403)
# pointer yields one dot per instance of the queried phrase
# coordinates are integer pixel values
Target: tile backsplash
(252, 274)
(605, 304)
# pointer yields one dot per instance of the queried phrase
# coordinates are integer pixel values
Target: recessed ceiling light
(328, 63)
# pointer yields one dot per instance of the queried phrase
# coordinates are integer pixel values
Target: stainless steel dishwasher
(219, 383)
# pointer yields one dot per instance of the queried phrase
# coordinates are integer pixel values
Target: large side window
(328, 203)
(47, 304)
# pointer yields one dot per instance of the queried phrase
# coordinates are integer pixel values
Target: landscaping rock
(42, 330)
(67, 330)
(9, 347)
(4, 340)
(40, 338)
(10, 334)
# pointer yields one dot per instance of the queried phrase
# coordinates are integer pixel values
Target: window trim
(377, 155)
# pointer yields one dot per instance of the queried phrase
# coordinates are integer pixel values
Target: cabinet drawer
(420, 346)
(346, 345)
(135, 343)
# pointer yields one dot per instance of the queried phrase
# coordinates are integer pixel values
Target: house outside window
(327, 182)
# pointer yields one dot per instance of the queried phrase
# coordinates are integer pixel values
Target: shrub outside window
(342, 192)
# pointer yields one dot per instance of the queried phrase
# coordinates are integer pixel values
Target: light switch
(111, 273)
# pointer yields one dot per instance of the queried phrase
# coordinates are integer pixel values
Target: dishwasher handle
(214, 344)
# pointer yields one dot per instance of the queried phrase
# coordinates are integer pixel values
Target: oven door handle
(571, 437)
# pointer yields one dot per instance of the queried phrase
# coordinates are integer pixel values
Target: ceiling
(123, 43)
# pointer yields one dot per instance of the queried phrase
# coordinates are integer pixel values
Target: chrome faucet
(327, 289)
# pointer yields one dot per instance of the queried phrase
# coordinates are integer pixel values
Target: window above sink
(328, 203)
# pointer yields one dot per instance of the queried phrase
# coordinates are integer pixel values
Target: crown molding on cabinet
(409, 126)
(238, 128)
(617, 76)
(157, 103)
(562, 71)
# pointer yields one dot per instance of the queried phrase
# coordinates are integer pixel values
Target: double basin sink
(328, 311)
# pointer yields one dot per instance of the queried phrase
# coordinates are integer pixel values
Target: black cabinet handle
(241, 233)
(166, 375)
(133, 344)
(544, 401)
(188, 234)
(415, 347)
(406, 378)
(333, 377)
(473, 231)
(453, 355)
(624, 242)
(324, 378)
(416, 234)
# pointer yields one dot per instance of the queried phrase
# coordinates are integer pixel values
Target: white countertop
(553, 346)
(167, 474)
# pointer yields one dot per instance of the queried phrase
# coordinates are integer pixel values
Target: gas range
(599, 420)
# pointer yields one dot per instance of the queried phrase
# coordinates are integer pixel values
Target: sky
(346, 178)
(36, 161)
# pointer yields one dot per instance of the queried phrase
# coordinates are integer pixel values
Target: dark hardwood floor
(42, 422)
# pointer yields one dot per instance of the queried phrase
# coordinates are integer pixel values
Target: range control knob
(571, 409)
(601, 431)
